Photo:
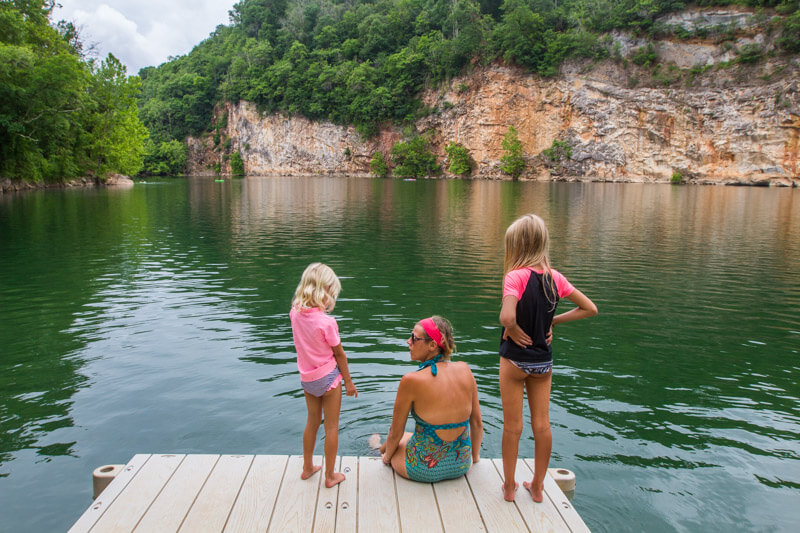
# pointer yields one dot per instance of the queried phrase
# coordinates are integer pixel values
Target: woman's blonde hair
(527, 244)
(318, 287)
(446, 329)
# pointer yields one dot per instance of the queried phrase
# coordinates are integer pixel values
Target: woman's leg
(399, 457)
(512, 381)
(539, 402)
(332, 405)
(314, 406)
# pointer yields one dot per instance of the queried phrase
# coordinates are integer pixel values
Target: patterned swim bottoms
(320, 386)
(533, 368)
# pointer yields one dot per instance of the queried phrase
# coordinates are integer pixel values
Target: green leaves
(61, 116)
(414, 159)
(512, 162)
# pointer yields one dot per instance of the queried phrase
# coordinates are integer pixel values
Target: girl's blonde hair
(318, 287)
(446, 329)
(527, 244)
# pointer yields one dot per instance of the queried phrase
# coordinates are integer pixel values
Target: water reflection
(155, 320)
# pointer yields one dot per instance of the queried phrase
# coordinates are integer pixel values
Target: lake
(155, 320)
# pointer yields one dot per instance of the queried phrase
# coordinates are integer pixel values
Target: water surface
(154, 320)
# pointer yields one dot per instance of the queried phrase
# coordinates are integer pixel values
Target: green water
(154, 319)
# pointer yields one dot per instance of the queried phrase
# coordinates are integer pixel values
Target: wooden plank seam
(238, 492)
(278, 493)
(189, 510)
(436, 501)
(501, 474)
(474, 499)
(160, 490)
(319, 490)
(105, 504)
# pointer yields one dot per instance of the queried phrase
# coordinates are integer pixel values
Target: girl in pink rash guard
(322, 364)
(531, 290)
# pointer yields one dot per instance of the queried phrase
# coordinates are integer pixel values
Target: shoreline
(8, 186)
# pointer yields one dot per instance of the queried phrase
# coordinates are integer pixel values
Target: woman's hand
(350, 388)
(386, 460)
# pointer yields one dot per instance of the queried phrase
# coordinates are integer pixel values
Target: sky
(141, 33)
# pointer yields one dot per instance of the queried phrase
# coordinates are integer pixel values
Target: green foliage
(790, 35)
(364, 62)
(378, 165)
(512, 162)
(558, 150)
(750, 53)
(645, 56)
(414, 158)
(167, 158)
(237, 164)
(676, 177)
(61, 116)
(460, 160)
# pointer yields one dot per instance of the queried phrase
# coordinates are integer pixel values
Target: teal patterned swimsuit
(430, 459)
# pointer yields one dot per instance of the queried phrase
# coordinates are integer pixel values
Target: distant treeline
(364, 62)
(61, 115)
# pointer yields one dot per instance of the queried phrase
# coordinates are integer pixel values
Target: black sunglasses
(414, 338)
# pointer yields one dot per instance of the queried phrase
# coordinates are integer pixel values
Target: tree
(460, 160)
(116, 135)
(414, 158)
(237, 165)
(378, 165)
(512, 162)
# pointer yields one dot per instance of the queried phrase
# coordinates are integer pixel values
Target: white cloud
(144, 32)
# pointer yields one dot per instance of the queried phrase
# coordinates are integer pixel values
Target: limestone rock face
(713, 135)
(727, 127)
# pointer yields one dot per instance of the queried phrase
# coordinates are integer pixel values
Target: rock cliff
(722, 122)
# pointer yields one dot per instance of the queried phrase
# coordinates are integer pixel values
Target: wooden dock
(248, 493)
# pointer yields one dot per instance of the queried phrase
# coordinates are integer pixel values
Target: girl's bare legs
(539, 402)
(314, 406)
(512, 382)
(332, 405)
(399, 457)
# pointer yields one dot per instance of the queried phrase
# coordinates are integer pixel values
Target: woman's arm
(585, 308)
(341, 360)
(508, 319)
(475, 423)
(402, 406)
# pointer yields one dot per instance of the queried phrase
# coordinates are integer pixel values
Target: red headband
(433, 332)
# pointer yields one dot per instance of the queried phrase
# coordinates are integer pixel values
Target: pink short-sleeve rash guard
(315, 334)
(516, 281)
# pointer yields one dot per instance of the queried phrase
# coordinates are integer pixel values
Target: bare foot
(334, 480)
(308, 473)
(536, 494)
(374, 441)
(509, 493)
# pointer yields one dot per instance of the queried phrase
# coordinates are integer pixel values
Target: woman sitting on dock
(442, 396)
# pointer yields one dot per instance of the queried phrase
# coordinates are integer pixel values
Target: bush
(645, 56)
(237, 164)
(676, 177)
(414, 158)
(460, 160)
(512, 162)
(750, 53)
(558, 150)
(378, 165)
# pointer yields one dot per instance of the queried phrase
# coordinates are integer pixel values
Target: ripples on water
(155, 320)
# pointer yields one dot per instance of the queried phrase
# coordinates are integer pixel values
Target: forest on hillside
(359, 62)
(363, 62)
(62, 115)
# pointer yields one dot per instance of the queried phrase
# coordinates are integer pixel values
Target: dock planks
(246, 493)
